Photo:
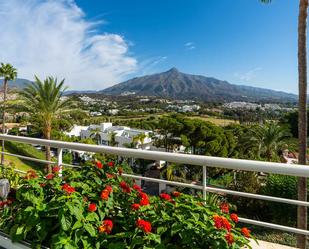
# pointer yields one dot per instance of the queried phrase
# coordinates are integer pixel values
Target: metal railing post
(59, 160)
(204, 182)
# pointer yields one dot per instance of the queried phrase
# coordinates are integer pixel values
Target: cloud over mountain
(54, 38)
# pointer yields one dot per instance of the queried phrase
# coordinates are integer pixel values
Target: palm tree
(42, 100)
(140, 139)
(112, 139)
(265, 141)
(302, 116)
(96, 134)
(8, 72)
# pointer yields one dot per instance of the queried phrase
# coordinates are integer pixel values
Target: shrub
(95, 207)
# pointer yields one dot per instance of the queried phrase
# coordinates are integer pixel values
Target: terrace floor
(268, 245)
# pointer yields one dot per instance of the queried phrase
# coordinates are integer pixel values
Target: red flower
(110, 164)
(105, 195)
(137, 188)
(109, 175)
(144, 202)
(67, 188)
(106, 227)
(218, 221)
(99, 164)
(2, 204)
(229, 238)
(165, 196)
(144, 199)
(246, 232)
(222, 223)
(109, 188)
(135, 206)
(92, 207)
(31, 174)
(120, 171)
(50, 176)
(226, 224)
(224, 207)
(176, 194)
(125, 187)
(144, 225)
(56, 169)
(234, 217)
(42, 185)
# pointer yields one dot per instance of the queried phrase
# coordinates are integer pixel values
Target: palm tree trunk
(302, 117)
(5, 86)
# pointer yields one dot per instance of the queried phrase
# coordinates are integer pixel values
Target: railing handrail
(209, 161)
(204, 161)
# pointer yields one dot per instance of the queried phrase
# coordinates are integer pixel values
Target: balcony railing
(203, 161)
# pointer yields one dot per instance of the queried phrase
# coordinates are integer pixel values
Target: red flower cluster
(110, 176)
(110, 164)
(224, 207)
(165, 196)
(106, 192)
(67, 188)
(229, 238)
(135, 206)
(120, 171)
(137, 188)
(222, 223)
(144, 199)
(56, 169)
(99, 164)
(31, 174)
(7, 202)
(246, 232)
(49, 176)
(176, 194)
(106, 227)
(125, 187)
(144, 225)
(92, 207)
(234, 217)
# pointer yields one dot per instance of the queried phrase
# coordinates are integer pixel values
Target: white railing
(203, 161)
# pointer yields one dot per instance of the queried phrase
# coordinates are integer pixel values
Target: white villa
(122, 136)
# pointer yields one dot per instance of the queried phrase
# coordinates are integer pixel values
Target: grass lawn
(18, 163)
(216, 121)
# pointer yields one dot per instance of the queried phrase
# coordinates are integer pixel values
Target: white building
(121, 136)
(76, 131)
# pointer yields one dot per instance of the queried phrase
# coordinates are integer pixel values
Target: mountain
(17, 83)
(178, 85)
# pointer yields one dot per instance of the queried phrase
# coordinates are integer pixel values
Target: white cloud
(46, 37)
(149, 66)
(249, 75)
(190, 45)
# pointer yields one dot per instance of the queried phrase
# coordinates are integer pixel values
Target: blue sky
(241, 41)
(97, 43)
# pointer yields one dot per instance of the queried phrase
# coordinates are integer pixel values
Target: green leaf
(90, 229)
(77, 212)
(65, 220)
(77, 224)
(92, 217)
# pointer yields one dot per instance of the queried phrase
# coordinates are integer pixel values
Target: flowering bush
(95, 207)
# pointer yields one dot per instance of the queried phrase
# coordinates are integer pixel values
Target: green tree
(43, 101)
(139, 139)
(7, 72)
(95, 133)
(265, 141)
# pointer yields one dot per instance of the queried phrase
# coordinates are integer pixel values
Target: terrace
(202, 161)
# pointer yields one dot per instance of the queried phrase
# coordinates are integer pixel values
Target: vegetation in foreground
(96, 208)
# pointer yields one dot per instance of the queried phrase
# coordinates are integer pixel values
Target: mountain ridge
(175, 84)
